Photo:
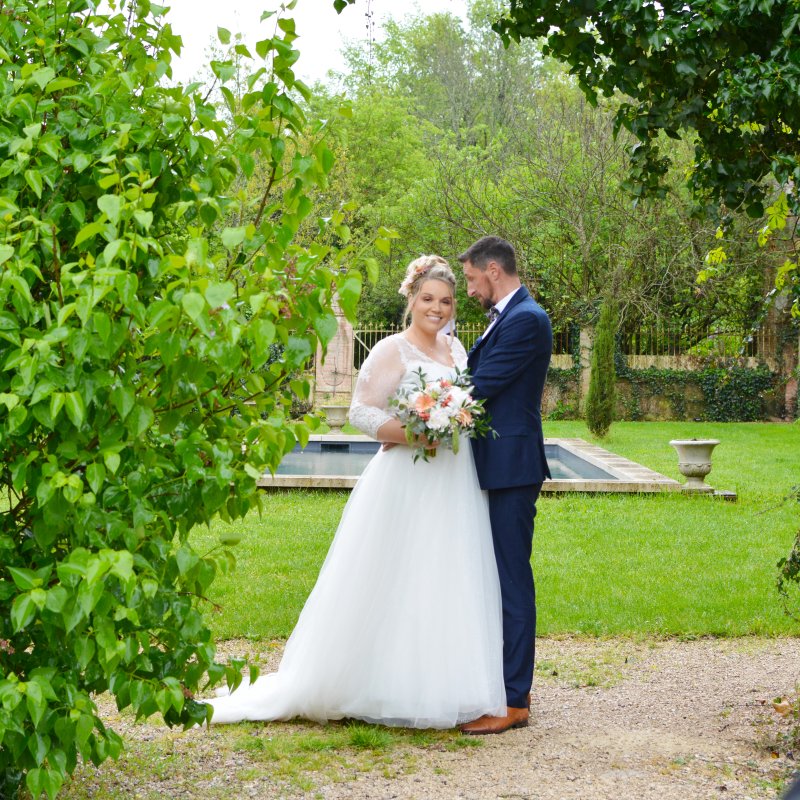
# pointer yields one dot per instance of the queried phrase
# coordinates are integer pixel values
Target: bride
(403, 626)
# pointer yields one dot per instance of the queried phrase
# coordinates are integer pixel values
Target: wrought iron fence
(656, 339)
(661, 339)
(366, 337)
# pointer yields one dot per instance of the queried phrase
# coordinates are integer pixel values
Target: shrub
(137, 395)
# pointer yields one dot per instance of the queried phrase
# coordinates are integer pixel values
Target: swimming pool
(335, 462)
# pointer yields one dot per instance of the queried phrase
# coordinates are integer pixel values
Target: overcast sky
(321, 30)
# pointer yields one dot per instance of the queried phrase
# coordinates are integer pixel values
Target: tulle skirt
(404, 624)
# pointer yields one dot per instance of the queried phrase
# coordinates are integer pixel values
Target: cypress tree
(601, 397)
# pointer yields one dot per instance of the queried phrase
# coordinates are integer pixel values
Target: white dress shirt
(500, 305)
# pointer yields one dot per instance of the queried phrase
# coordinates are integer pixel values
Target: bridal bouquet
(440, 411)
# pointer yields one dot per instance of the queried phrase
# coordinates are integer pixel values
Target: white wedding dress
(403, 626)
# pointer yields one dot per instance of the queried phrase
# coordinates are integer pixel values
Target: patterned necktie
(492, 314)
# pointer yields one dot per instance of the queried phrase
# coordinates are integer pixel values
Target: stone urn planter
(694, 462)
(335, 416)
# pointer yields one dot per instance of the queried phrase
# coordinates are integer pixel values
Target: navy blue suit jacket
(508, 368)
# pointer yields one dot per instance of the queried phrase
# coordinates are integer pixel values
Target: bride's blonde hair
(426, 268)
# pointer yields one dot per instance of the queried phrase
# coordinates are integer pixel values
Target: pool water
(350, 459)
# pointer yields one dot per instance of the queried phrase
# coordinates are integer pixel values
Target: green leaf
(57, 597)
(10, 401)
(39, 597)
(80, 161)
(24, 579)
(111, 250)
(326, 326)
(193, 304)
(51, 146)
(37, 745)
(56, 403)
(37, 705)
(247, 163)
(349, 293)
(263, 335)
(123, 399)
(224, 70)
(373, 269)
(111, 206)
(127, 286)
(89, 232)
(111, 460)
(95, 476)
(141, 419)
(59, 84)
(122, 565)
(224, 35)
(85, 724)
(43, 76)
(233, 237)
(218, 294)
(298, 351)
(75, 408)
(6, 251)
(35, 780)
(327, 159)
(186, 559)
(23, 610)
(34, 180)
(144, 218)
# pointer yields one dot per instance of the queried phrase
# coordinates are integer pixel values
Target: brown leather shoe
(515, 718)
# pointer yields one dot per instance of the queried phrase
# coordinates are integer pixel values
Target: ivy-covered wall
(720, 390)
(562, 394)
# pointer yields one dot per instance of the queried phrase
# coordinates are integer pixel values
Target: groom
(508, 365)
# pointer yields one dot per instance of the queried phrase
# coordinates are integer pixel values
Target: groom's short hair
(491, 248)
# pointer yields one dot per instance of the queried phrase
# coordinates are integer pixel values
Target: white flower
(439, 419)
(459, 397)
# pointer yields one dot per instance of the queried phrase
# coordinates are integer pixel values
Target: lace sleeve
(459, 354)
(378, 378)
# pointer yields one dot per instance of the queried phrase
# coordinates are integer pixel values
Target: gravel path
(611, 720)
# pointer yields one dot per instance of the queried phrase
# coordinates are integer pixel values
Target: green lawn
(663, 564)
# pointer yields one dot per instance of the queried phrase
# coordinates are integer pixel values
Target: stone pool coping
(630, 476)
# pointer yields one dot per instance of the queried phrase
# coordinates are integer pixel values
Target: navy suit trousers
(512, 512)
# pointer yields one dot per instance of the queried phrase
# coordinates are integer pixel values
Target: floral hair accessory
(416, 270)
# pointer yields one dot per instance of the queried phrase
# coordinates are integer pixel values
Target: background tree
(725, 74)
(528, 157)
(601, 397)
(138, 392)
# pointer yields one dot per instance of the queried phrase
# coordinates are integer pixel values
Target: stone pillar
(586, 341)
(333, 373)
(791, 366)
